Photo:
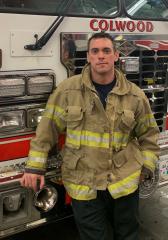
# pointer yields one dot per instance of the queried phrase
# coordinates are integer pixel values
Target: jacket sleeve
(51, 124)
(147, 133)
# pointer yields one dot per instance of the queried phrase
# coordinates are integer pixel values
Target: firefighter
(111, 135)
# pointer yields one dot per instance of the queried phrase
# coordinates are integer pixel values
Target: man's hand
(146, 174)
(30, 180)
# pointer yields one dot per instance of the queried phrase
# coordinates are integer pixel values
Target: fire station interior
(147, 68)
(144, 61)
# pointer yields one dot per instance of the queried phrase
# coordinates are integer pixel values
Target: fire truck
(43, 42)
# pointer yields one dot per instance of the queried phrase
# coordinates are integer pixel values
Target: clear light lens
(12, 120)
(40, 85)
(129, 64)
(34, 116)
(12, 87)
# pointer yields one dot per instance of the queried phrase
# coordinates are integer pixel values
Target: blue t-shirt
(103, 90)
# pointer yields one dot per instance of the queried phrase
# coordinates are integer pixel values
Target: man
(110, 135)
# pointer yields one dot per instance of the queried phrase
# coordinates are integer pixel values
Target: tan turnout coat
(104, 148)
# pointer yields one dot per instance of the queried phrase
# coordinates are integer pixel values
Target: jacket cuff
(35, 171)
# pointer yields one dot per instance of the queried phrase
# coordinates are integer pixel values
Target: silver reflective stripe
(101, 139)
(149, 159)
(37, 159)
(119, 139)
(94, 139)
(87, 138)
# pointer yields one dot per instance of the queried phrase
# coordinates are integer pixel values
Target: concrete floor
(154, 216)
(64, 230)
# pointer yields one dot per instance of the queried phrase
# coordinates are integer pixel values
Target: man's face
(102, 56)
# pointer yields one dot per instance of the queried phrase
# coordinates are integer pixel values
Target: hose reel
(150, 183)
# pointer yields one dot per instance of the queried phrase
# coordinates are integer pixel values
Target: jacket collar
(122, 86)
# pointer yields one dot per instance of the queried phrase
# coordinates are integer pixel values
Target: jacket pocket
(72, 172)
(74, 126)
(74, 116)
(131, 157)
(119, 159)
(127, 121)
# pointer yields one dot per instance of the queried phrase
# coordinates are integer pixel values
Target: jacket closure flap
(128, 118)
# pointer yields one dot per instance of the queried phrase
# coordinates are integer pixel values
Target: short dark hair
(101, 35)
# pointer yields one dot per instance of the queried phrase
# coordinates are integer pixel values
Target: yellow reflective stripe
(73, 137)
(80, 192)
(125, 186)
(149, 159)
(87, 138)
(119, 139)
(57, 114)
(60, 111)
(59, 123)
(149, 119)
(125, 192)
(71, 140)
(35, 164)
(56, 110)
(144, 123)
(37, 159)
(38, 154)
(93, 139)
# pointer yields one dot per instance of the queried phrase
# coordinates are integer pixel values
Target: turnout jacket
(104, 148)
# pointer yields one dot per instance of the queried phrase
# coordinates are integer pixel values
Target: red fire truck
(42, 43)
